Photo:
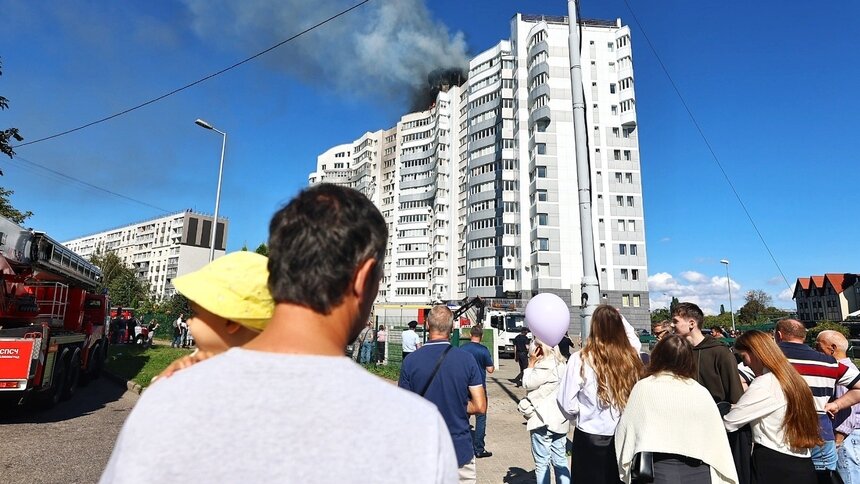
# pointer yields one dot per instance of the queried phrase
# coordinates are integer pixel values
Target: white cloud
(706, 291)
(786, 294)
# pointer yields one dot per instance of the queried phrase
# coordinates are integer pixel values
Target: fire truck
(53, 331)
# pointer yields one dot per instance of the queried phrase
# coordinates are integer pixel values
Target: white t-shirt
(410, 340)
(250, 416)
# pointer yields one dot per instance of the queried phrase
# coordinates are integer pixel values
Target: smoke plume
(383, 49)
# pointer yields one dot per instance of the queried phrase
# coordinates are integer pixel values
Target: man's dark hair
(317, 242)
(673, 354)
(413, 324)
(690, 310)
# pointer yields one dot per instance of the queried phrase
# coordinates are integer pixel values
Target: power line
(707, 143)
(62, 175)
(210, 76)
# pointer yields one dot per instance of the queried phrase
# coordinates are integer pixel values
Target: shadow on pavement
(507, 390)
(517, 475)
(86, 400)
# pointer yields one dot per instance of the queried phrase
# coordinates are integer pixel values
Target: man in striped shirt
(821, 372)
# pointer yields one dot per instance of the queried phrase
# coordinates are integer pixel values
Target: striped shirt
(822, 373)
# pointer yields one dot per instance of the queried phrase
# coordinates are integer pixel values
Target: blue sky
(772, 84)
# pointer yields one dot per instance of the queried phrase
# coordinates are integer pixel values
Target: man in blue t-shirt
(485, 361)
(450, 378)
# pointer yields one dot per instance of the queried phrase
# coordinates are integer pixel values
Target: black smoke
(438, 80)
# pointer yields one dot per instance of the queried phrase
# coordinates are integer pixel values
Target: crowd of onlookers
(276, 400)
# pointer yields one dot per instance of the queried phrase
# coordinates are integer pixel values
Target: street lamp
(729, 283)
(204, 124)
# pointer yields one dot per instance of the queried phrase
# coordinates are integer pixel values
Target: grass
(389, 371)
(141, 365)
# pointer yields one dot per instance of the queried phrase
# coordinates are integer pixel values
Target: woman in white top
(594, 392)
(779, 407)
(547, 425)
(670, 415)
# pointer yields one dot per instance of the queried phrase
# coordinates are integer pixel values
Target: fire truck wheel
(98, 362)
(48, 399)
(73, 375)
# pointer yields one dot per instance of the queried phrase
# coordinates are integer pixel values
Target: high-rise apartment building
(159, 249)
(480, 190)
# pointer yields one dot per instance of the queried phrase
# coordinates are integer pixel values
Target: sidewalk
(507, 437)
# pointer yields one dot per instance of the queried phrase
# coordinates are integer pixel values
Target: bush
(812, 334)
(389, 371)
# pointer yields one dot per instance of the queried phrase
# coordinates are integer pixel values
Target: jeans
(480, 432)
(177, 341)
(848, 455)
(366, 351)
(549, 448)
(824, 456)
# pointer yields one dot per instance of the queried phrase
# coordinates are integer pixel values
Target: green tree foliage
(756, 307)
(658, 315)
(812, 334)
(262, 249)
(673, 305)
(123, 286)
(8, 134)
(723, 320)
(722, 309)
(10, 212)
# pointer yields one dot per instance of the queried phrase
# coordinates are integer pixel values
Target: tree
(673, 304)
(756, 306)
(722, 309)
(123, 286)
(812, 334)
(658, 315)
(262, 249)
(8, 134)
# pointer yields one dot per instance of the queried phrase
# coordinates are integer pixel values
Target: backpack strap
(435, 370)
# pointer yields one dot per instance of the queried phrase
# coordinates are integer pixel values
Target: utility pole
(590, 284)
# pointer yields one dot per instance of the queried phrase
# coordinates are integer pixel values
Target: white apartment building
(159, 249)
(505, 222)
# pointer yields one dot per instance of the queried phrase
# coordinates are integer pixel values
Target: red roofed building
(831, 297)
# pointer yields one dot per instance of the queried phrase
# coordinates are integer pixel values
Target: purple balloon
(548, 317)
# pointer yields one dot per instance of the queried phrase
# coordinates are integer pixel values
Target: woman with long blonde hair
(594, 392)
(780, 409)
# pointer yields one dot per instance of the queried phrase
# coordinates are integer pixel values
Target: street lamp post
(204, 124)
(729, 283)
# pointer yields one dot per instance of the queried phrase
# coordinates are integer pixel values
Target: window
(622, 249)
(612, 88)
(543, 244)
(541, 195)
(618, 177)
(629, 201)
(616, 154)
(627, 156)
(636, 301)
(614, 109)
(634, 274)
(543, 219)
(541, 171)
(541, 148)
(628, 177)
(616, 133)
(625, 300)
(623, 274)
(619, 200)
(631, 225)
(621, 226)
(633, 249)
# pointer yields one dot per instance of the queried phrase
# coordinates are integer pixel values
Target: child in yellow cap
(230, 302)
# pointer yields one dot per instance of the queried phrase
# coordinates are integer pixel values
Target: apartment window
(629, 201)
(631, 224)
(616, 132)
(633, 249)
(541, 195)
(634, 274)
(541, 171)
(617, 155)
(619, 200)
(625, 300)
(622, 249)
(621, 226)
(614, 109)
(543, 219)
(543, 244)
(541, 148)
(628, 177)
(627, 156)
(612, 88)
(623, 274)
(636, 301)
(618, 177)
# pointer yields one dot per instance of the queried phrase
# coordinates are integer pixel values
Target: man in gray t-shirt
(288, 406)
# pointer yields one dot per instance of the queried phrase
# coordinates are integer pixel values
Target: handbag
(642, 468)
(826, 476)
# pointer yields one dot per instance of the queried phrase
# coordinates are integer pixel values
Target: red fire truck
(53, 331)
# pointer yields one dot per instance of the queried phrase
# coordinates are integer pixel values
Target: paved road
(70, 443)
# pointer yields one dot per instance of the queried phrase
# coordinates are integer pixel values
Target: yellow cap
(233, 287)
